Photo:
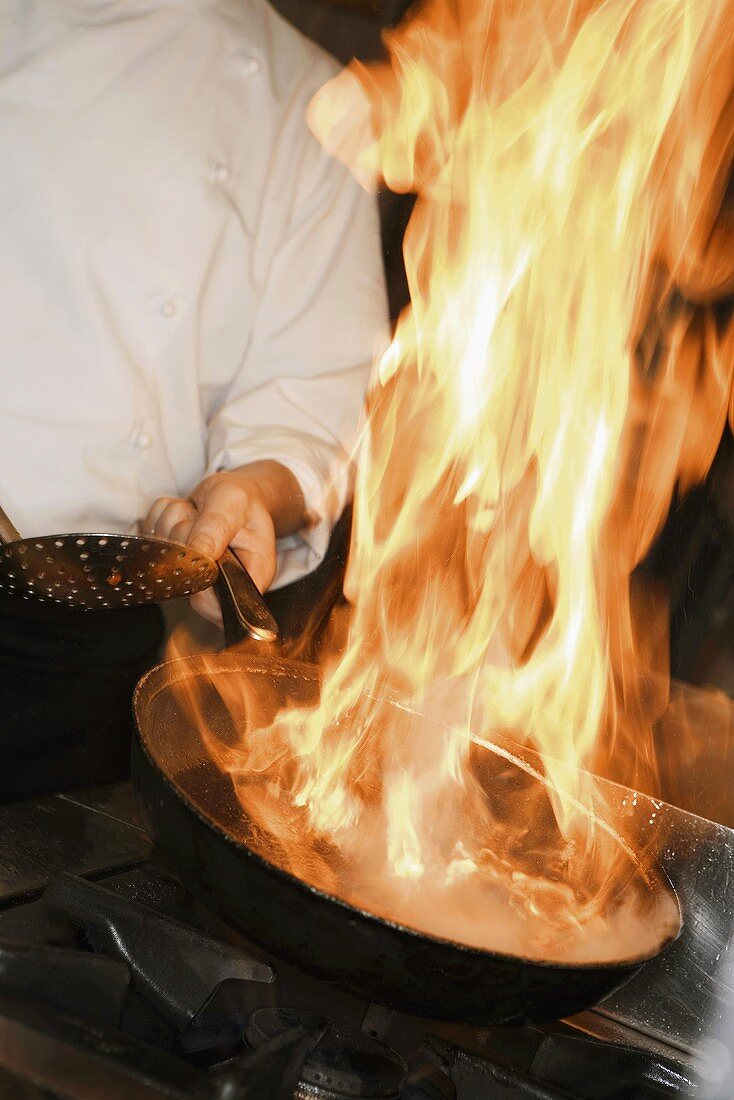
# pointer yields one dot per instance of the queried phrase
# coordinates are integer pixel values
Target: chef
(190, 297)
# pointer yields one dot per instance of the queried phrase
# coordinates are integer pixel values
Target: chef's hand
(245, 509)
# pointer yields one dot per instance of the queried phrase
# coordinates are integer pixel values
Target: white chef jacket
(187, 282)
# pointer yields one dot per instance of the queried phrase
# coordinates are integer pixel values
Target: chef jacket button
(168, 309)
(220, 173)
(250, 65)
(142, 441)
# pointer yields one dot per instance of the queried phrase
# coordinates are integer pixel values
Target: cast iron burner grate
(131, 983)
(345, 1064)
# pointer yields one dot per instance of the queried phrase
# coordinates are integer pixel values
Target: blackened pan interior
(191, 809)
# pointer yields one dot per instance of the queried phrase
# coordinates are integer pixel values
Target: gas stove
(116, 983)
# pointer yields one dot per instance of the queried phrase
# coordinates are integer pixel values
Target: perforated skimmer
(99, 572)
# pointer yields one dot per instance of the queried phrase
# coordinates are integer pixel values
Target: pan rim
(621, 966)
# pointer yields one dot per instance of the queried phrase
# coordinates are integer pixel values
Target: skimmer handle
(8, 533)
(243, 609)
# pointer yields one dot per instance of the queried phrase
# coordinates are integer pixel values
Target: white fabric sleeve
(321, 317)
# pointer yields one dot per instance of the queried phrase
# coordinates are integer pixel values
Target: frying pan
(191, 809)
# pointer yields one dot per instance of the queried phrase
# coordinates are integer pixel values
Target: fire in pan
(192, 809)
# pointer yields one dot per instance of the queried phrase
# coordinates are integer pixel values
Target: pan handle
(8, 533)
(244, 611)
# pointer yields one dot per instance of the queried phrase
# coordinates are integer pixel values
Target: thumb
(212, 533)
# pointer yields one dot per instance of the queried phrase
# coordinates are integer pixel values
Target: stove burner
(346, 1063)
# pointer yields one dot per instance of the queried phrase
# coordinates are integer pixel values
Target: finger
(176, 514)
(223, 508)
(171, 513)
(211, 534)
(181, 531)
(155, 512)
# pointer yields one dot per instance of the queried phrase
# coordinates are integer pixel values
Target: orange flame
(561, 369)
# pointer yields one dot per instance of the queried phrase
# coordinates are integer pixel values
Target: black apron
(66, 684)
